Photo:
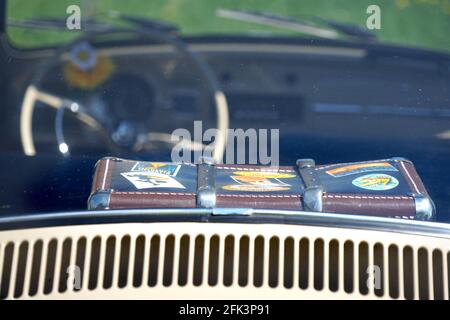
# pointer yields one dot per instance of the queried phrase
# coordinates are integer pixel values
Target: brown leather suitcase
(388, 187)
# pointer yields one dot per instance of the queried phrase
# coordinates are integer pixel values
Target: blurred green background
(419, 23)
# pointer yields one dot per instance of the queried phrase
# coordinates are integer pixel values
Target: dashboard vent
(189, 260)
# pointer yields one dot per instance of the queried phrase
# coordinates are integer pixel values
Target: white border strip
(105, 174)
(410, 178)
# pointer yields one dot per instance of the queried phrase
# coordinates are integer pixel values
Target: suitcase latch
(206, 185)
(314, 189)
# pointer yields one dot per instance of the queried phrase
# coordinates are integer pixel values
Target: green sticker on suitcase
(376, 182)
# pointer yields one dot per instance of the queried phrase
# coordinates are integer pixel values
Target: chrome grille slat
(56, 271)
(221, 260)
(265, 265)
(401, 286)
(73, 252)
(115, 276)
(371, 263)
(355, 268)
(162, 252)
(87, 264)
(386, 288)
(101, 265)
(416, 274)
(430, 276)
(281, 251)
(176, 262)
(27, 277)
(236, 245)
(190, 263)
(296, 257)
(279, 270)
(326, 269)
(445, 276)
(146, 264)
(251, 259)
(2, 262)
(205, 266)
(341, 266)
(14, 266)
(311, 256)
(131, 260)
(43, 267)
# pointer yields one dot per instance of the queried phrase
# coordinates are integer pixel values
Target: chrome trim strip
(232, 212)
(406, 111)
(219, 48)
(333, 220)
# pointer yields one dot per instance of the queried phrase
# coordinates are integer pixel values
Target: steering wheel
(35, 93)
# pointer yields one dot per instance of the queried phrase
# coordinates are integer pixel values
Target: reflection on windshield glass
(406, 22)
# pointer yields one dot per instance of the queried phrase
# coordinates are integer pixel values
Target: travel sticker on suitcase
(147, 180)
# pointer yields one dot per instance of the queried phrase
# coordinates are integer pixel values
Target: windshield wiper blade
(146, 23)
(348, 29)
(332, 29)
(276, 21)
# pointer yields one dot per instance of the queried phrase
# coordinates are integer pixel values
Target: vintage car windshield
(337, 81)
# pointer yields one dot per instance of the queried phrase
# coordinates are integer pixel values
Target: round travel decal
(376, 181)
